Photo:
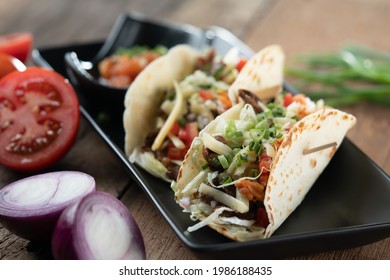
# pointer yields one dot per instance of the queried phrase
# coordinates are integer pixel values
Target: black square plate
(349, 205)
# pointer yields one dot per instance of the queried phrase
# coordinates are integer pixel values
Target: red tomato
(288, 99)
(241, 63)
(175, 153)
(9, 64)
(188, 133)
(175, 128)
(265, 164)
(205, 94)
(39, 118)
(17, 45)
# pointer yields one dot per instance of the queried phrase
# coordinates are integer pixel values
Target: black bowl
(134, 29)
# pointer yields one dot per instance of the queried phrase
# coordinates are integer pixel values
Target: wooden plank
(160, 240)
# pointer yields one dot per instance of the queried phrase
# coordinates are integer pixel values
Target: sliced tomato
(17, 44)
(9, 64)
(39, 118)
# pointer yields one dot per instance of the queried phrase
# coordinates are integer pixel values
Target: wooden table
(298, 25)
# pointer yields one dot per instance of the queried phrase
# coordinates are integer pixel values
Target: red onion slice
(30, 207)
(99, 226)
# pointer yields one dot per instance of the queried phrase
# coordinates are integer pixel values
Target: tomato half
(17, 45)
(39, 118)
(9, 64)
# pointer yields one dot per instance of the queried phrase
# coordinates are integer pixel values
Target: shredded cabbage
(215, 145)
(224, 198)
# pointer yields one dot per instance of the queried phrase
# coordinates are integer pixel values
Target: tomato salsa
(121, 68)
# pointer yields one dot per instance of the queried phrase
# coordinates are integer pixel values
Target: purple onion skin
(37, 224)
(38, 229)
(62, 237)
(69, 240)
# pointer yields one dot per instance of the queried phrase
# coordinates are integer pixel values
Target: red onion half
(98, 226)
(30, 207)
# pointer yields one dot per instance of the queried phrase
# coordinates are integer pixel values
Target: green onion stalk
(352, 75)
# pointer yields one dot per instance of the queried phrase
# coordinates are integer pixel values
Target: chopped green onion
(227, 180)
(264, 124)
(224, 161)
(278, 111)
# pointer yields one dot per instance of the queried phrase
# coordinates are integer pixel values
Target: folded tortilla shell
(292, 173)
(145, 94)
(262, 74)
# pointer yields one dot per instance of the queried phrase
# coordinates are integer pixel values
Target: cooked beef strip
(250, 99)
(212, 157)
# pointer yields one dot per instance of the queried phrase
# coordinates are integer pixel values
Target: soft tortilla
(292, 173)
(262, 75)
(263, 72)
(145, 94)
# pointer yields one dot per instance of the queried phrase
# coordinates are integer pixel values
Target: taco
(172, 99)
(262, 75)
(250, 168)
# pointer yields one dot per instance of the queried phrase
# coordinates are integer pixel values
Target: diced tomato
(175, 153)
(150, 56)
(262, 217)
(300, 98)
(241, 63)
(265, 164)
(175, 128)
(188, 133)
(288, 99)
(117, 66)
(206, 94)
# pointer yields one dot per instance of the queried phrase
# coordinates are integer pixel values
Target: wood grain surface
(300, 26)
